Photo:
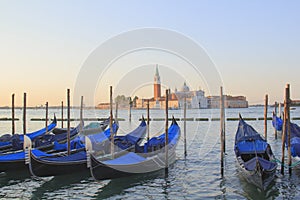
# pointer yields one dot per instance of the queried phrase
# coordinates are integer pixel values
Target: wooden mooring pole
(62, 114)
(24, 114)
(130, 105)
(266, 117)
(275, 112)
(46, 118)
(148, 120)
(68, 121)
(166, 132)
(288, 127)
(222, 130)
(223, 122)
(116, 112)
(81, 113)
(13, 114)
(112, 143)
(284, 129)
(184, 125)
(279, 110)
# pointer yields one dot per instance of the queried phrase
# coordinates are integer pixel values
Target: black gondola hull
(43, 168)
(260, 178)
(101, 171)
(15, 165)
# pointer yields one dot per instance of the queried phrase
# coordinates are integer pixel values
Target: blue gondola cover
(246, 147)
(127, 159)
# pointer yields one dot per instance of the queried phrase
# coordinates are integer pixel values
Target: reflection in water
(52, 184)
(166, 184)
(11, 177)
(252, 192)
(16, 185)
(118, 186)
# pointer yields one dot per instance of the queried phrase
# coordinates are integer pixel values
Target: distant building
(159, 103)
(229, 101)
(104, 106)
(194, 99)
(295, 102)
(157, 85)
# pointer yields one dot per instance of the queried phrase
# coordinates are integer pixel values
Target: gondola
(254, 156)
(47, 142)
(277, 122)
(295, 143)
(15, 142)
(61, 163)
(295, 137)
(147, 158)
(15, 160)
(91, 128)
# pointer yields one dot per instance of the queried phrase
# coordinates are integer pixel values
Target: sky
(254, 46)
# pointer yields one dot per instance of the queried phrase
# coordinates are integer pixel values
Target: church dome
(185, 88)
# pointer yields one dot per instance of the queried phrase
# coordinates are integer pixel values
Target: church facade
(195, 99)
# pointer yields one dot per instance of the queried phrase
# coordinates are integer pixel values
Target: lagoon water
(196, 176)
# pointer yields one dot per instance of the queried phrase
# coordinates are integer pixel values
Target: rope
(286, 166)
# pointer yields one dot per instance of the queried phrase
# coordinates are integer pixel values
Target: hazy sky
(255, 45)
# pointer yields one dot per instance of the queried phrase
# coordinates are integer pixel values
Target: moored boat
(61, 163)
(15, 142)
(15, 160)
(255, 158)
(277, 122)
(147, 158)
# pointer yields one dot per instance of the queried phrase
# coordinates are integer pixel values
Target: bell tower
(157, 87)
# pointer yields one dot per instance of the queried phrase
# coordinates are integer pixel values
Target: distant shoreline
(91, 107)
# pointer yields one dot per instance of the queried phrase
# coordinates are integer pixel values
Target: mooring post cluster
(286, 129)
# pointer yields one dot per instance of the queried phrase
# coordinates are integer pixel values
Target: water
(195, 177)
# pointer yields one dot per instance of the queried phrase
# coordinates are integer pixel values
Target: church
(195, 99)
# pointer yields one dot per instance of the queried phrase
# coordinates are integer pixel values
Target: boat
(255, 158)
(15, 160)
(95, 127)
(43, 164)
(295, 136)
(295, 143)
(277, 122)
(145, 159)
(47, 142)
(14, 142)
(91, 128)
